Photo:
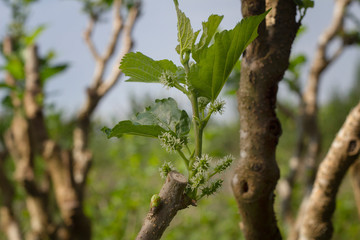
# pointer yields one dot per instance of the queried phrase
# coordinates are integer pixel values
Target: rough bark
(263, 66)
(308, 144)
(343, 152)
(172, 200)
(60, 165)
(58, 162)
(19, 142)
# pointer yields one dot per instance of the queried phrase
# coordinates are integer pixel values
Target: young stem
(186, 161)
(197, 125)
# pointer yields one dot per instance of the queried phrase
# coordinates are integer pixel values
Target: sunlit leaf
(50, 71)
(15, 67)
(29, 40)
(185, 31)
(216, 62)
(141, 68)
(209, 29)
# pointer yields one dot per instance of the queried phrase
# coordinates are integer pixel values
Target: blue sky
(155, 36)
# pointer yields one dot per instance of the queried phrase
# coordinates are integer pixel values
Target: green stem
(181, 88)
(189, 151)
(197, 125)
(206, 119)
(211, 175)
(185, 61)
(186, 161)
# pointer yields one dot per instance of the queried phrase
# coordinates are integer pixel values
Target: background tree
(27, 140)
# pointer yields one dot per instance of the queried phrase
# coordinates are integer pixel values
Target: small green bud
(209, 190)
(168, 79)
(203, 102)
(197, 180)
(217, 106)
(165, 169)
(224, 164)
(203, 163)
(155, 201)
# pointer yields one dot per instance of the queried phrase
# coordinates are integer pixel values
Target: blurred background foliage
(125, 173)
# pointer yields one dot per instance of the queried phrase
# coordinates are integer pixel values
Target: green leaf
(50, 56)
(15, 67)
(50, 71)
(133, 128)
(296, 62)
(180, 75)
(185, 31)
(304, 3)
(209, 29)
(216, 62)
(182, 128)
(4, 85)
(308, 3)
(163, 116)
(29, 40)
(166, 114)
(6, 102)
(141, 68)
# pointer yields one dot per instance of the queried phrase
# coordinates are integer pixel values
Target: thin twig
(88, 40)
(127, 44)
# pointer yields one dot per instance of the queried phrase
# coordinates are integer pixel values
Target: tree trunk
(309, 139)
(263, 66)
(343, 152)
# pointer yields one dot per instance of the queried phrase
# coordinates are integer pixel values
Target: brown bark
(67, 169)
(9, 223)
(343, 152)
(67, 195)
(100, 86)
(58, 162)
(172, 200)
(19, 142)
(263, 66)
(308, 143)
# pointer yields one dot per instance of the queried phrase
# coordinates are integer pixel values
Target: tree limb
(308, 143)
(81, 155)
(127, 43)
(343, 152)
(88, 40)
(172, 200)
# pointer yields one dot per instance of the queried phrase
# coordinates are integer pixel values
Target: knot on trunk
(353, 147)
